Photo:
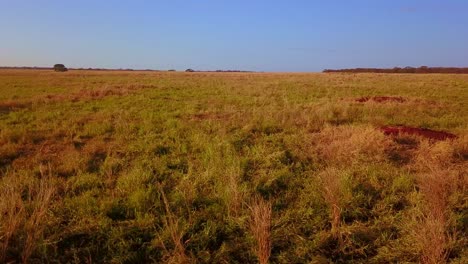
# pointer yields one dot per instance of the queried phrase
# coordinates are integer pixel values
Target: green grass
(180, 167)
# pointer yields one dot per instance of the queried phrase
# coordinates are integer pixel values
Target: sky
(257, 35)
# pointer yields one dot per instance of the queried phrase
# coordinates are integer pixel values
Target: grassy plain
(137, 167)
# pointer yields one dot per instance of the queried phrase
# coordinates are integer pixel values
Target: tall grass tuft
(332, 192)
(235, 194)
(12, 213)
(24, 209)
(172, 224)
(42, 196)
(436, 181)
(260, 226)
(346, 145)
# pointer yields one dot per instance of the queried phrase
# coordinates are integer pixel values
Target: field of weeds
(142, 167)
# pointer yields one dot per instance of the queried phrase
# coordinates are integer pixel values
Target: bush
(60, 68)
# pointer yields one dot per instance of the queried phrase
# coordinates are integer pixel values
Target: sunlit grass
(135, 167)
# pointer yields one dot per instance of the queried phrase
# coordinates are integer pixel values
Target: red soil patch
(210, 116)
(6, 107)
(81, 95)
(94, 94)
(381, 99)
(423, 132)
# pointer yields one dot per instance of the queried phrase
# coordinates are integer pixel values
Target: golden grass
(159, 167)
(35, 225)
(260, 227)
(24, 219)
(12, 214)
(438, 179)
(332, 183)
(347, 145)
(173, 225)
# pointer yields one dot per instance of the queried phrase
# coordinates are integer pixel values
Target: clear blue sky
(294, 35)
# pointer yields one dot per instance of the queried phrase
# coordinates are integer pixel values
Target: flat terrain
(171, 167)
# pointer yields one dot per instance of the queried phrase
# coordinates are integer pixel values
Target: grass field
(171, 167)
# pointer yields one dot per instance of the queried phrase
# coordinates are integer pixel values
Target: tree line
(422, 69)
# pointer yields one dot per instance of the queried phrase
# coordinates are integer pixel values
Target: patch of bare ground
(210, 116)
(421, 132)
(63, 157)
(402, 151)
(397, 101)
(9, 106)
(94, 94)
(81, 95)
(381, 99)
(408, 139)
(33, 155)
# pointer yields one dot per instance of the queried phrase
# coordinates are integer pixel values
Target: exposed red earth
(6, 107)
(381, 99)
(423, 132)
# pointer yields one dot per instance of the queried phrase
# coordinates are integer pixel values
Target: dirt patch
(381, 99)
(81, 95)
(210, 116)
(6, 107)
(422, 132)
(31, 155)
(401, 153)
(64, 158)
(94, 94)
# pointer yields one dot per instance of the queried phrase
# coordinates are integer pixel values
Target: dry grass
(433, 239)
(438, 179)
(12, 214)
(331, 181)
(347, 145)
(260, 226)
(23, 220)
(8, 106)
(91, 94)
(35, 224)
(213, 140)
(176, 232)
(235, 195)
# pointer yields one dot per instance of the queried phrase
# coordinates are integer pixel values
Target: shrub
(60, 68)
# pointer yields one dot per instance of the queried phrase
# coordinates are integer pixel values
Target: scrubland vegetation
(422, 69)
(173, 167)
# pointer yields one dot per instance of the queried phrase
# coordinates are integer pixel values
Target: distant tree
(172, 70)
(423, 69)
(60, 68)
(409, 69)
(189, 70)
